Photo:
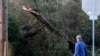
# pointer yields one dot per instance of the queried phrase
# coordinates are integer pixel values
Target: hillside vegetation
(64, 15)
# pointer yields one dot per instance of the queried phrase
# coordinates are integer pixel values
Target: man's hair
(79, 37)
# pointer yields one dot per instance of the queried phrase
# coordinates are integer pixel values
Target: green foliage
(13, 30)
(65, 15)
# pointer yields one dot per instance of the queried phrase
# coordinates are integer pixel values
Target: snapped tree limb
(42, 19)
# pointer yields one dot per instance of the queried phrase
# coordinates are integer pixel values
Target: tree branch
(42, 19)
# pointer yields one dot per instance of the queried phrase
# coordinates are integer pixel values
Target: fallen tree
(43, 20)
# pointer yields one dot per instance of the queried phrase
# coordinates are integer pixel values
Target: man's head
(78, 37)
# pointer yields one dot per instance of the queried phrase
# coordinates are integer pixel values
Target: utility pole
(3, 28)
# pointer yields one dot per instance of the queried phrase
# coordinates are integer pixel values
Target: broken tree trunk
(39, 17)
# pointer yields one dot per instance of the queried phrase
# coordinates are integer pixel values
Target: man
(80, 47)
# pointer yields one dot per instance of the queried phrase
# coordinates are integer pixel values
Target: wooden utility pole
(3, 28)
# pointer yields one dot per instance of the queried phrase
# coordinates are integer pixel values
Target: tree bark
(3, 28)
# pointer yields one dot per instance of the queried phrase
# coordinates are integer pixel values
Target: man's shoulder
(80, 42)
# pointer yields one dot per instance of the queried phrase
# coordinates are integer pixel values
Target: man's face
(77, 38)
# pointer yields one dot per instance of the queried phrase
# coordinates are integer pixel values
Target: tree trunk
(3, 28)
